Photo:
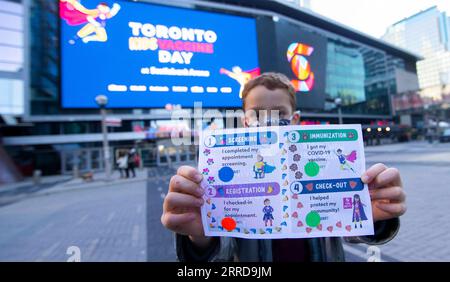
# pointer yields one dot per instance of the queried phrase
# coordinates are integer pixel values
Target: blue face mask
(281, 122)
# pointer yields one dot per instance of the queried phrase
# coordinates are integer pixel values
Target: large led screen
(144, 55)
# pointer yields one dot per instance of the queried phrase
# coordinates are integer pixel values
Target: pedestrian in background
(131, 162)
(122, 164)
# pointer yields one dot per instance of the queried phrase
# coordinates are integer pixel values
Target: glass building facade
(427, 34)
(345, 73)
(44, 61)
(11, 58)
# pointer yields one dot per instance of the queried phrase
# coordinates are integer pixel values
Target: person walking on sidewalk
(122, 164)
(131, 162)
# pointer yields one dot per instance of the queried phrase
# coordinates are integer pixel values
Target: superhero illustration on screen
(242, 77)
(93, 21)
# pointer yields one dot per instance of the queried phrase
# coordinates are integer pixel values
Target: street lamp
(101, 101)
(338, 103)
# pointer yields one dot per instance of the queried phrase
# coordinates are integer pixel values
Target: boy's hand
(386, 192)
(181, 208)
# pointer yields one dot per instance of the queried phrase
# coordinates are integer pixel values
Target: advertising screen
(299, 54)
(144, 55)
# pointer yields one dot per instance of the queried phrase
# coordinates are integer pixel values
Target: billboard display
(302, 56)
(144, 55)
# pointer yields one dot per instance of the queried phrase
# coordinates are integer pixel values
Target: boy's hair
(271, 81)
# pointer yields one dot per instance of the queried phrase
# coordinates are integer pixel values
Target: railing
(84, 160)
(170, 156)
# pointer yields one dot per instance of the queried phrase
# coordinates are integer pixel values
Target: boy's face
(261, 98)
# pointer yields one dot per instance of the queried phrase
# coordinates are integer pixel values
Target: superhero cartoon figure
(267, 210)
(345, 160)
(358, 211)
(242, 77)
(93, 20)
(260, 168)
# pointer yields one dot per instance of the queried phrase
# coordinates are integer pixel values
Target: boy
(181, 208)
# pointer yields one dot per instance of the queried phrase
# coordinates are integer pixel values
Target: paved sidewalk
(56, 184)
(425, 229)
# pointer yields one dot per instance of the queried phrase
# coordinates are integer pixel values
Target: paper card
(285, 182)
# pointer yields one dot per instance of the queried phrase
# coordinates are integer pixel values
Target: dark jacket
(258, 250)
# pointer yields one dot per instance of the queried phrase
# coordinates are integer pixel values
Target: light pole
(101, 101)
(338, 102)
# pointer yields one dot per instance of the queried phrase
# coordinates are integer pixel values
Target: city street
(120, 220)
(425, 171)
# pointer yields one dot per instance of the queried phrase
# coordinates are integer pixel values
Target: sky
(373, 16)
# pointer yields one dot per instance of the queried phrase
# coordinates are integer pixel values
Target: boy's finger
(390, 176)
(190, 173)
(175, 221)
(181, 184)
(394, 193)
(372, 172)
(396, 209)
(174, 201)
